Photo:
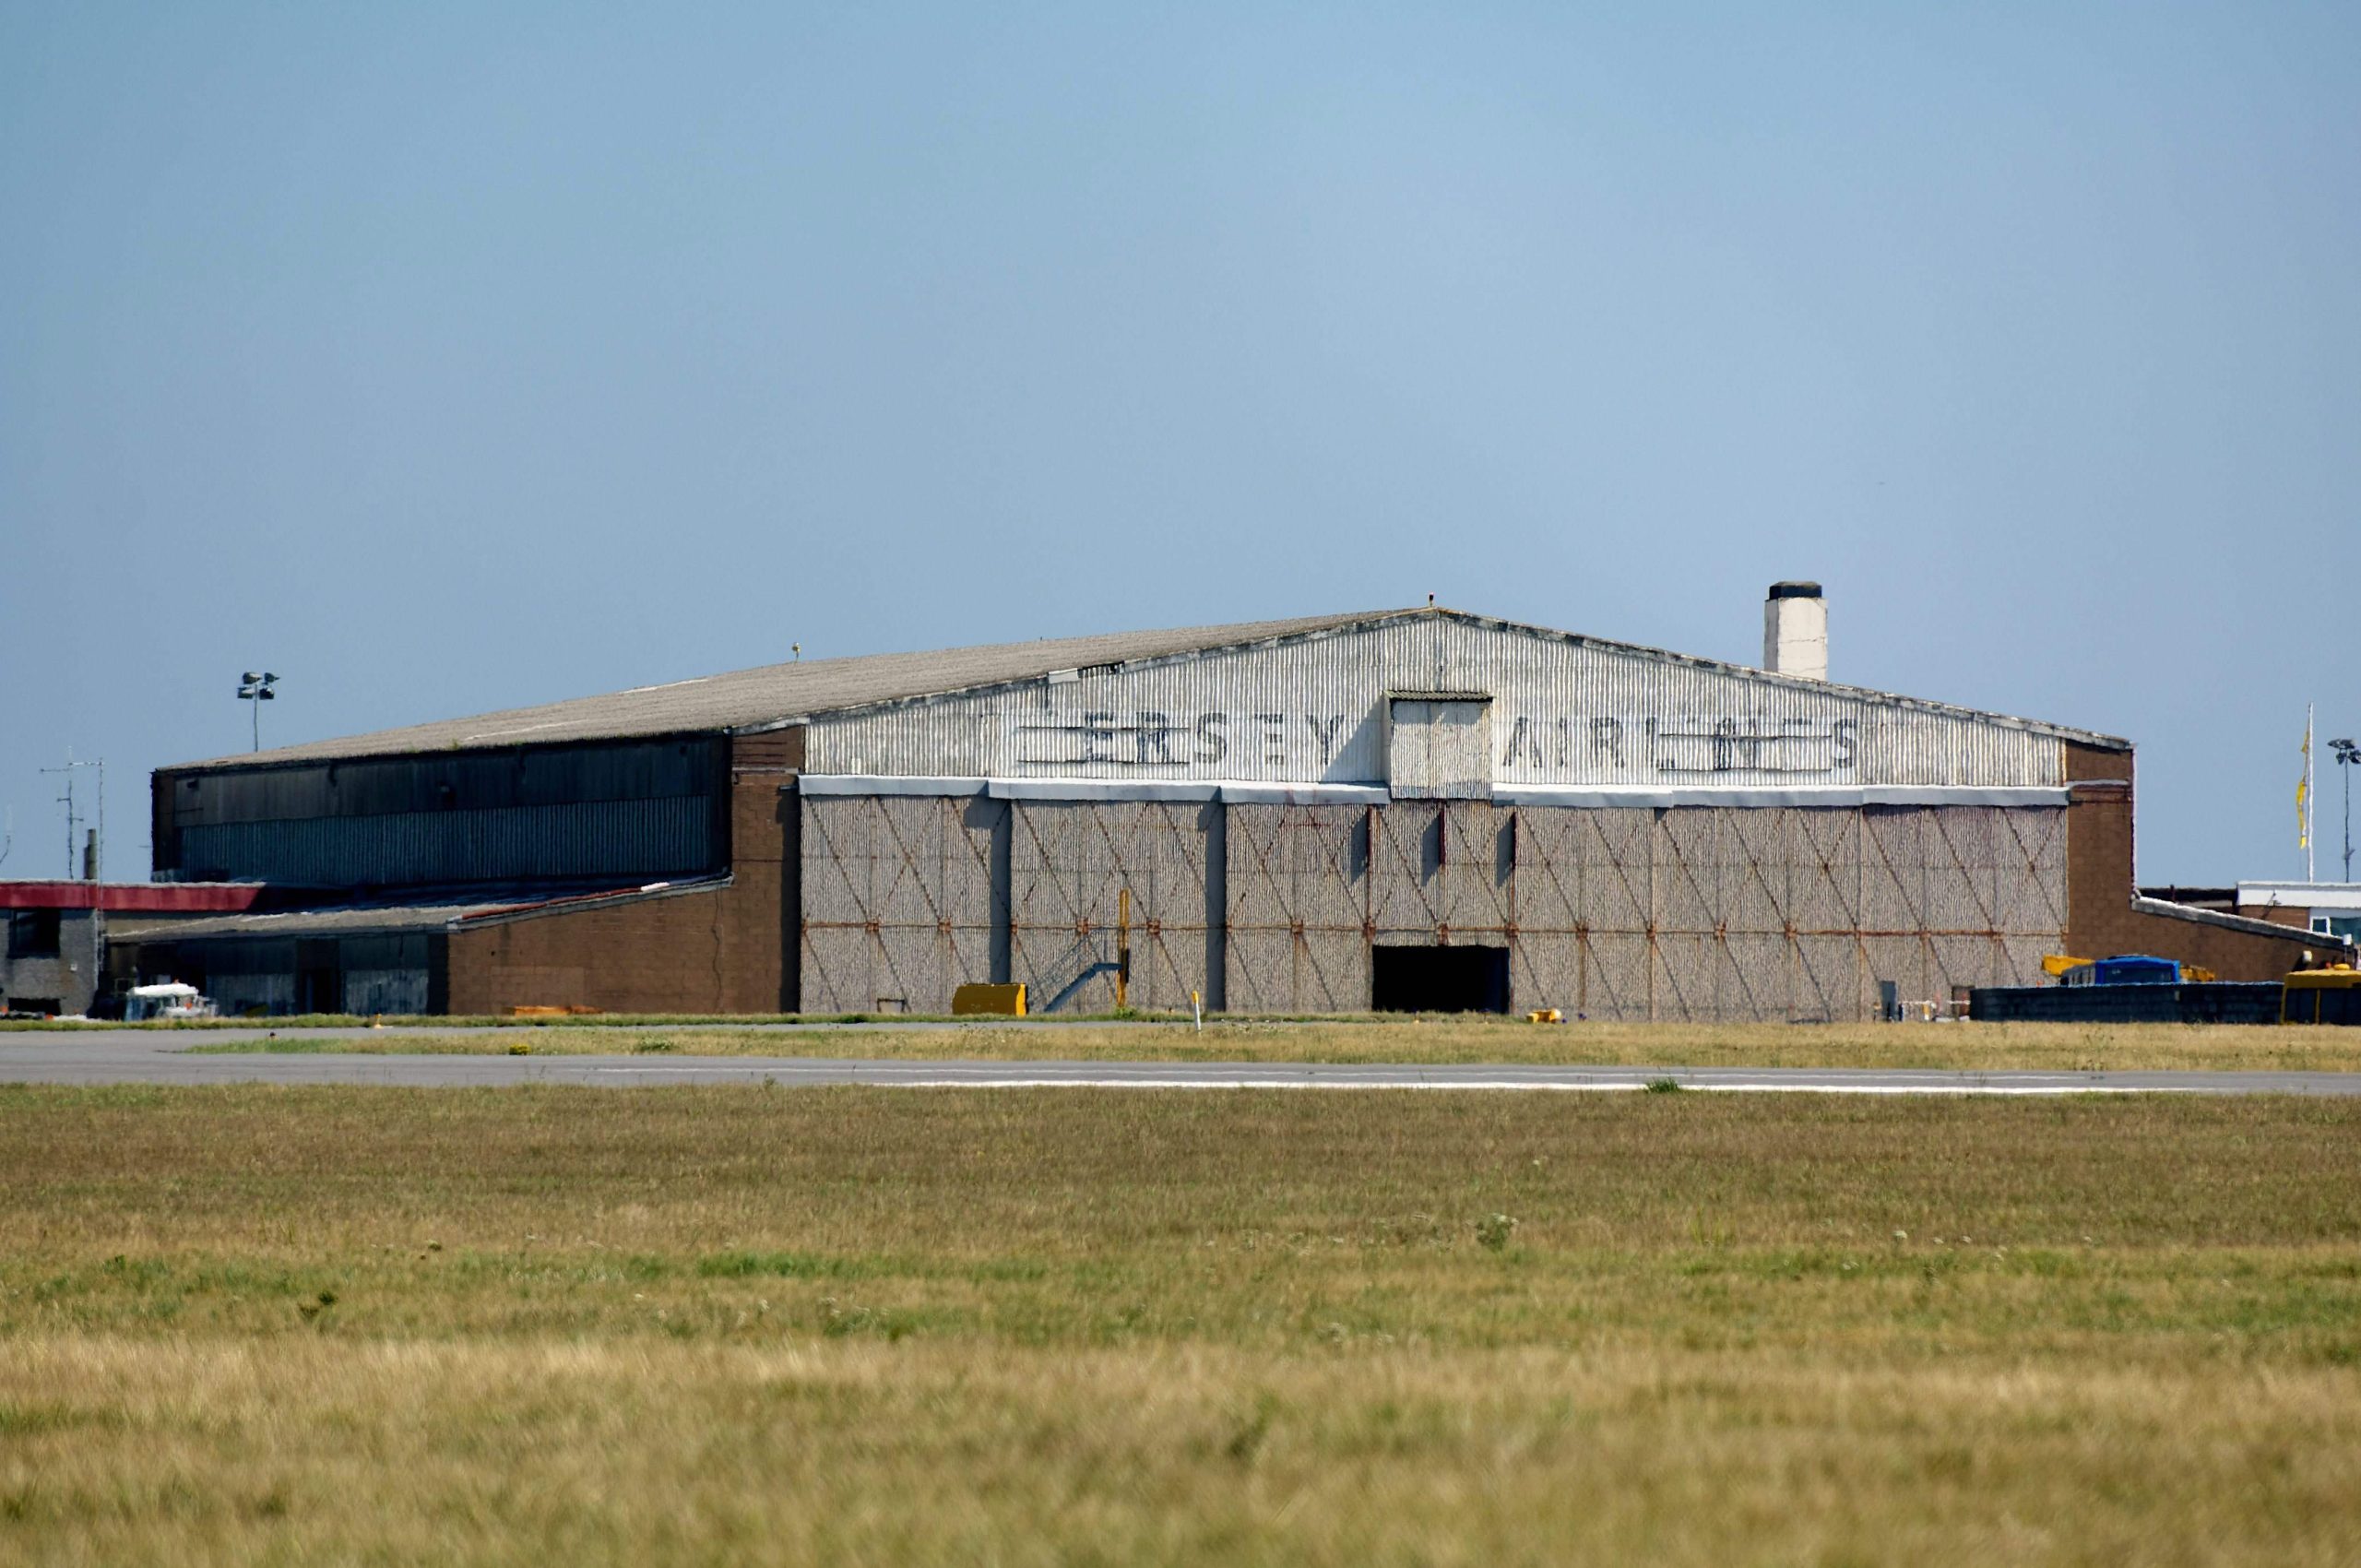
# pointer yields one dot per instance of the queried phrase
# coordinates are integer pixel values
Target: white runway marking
(131, 1056)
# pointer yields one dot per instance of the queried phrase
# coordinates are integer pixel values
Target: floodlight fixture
(253, 687)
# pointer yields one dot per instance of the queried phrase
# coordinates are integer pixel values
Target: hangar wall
(1677, 913)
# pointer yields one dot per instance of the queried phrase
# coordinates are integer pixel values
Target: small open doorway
(1438, 980)
(319, 980)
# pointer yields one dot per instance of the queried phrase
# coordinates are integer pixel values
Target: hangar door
(1439, 745)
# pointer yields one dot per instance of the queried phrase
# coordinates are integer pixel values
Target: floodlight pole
(2347, 754)
(253, 687)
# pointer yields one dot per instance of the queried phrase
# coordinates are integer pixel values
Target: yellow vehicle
(2331, 995)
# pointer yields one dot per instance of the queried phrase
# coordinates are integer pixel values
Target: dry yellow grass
(1457, 1040)
(858, 1326)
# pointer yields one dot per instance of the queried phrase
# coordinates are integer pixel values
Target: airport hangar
(1417, 807)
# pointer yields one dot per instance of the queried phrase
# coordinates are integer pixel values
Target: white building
(2330, 909)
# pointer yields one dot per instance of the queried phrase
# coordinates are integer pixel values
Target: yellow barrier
(1005, 1000)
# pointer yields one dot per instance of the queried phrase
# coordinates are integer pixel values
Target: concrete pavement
(136, 1056)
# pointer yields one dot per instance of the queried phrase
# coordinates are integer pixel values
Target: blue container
(2130, 969)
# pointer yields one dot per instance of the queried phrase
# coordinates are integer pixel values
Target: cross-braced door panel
(1260, 971)
(1286, 971)
(1753, 869)
(1545, 970)
(897, 901)
(1170, 954)
(1406, 891)
(1479, 867)
(1687, 861)
(1824, 876)
(1068, 864)
(837, 963)
(836, 872)
(1615, 976)
(1828, 981)
(1901, 959)
(1894, 870)
(1060, 872)
(1616, 845)
(1962, 959)
(1297, 884)
(908, 840)
(2029, 850)
(1754, 977)
(1684, 977)
(2018, 962)
(1960, 884)
(1548, 869)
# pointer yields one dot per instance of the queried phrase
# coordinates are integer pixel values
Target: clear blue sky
(449, 358)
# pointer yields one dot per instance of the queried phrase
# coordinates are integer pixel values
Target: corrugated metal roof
(778, 693)
(441, 911)
(353, 921)
(782, 694)
(139, 898)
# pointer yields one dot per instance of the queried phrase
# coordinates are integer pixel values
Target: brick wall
(70, 978)
(2100, 919)
(725, 949)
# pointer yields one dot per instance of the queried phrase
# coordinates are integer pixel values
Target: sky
(443, 359)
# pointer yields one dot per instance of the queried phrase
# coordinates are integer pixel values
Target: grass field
(1436, 1040)
(308, 1325)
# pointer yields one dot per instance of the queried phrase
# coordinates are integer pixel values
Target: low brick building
(72, 945)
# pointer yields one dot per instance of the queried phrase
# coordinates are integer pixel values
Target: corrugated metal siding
(1562, 713)
(1440, 750)
(370, 991)
(621, 838)
(630, 811)
(447, 781)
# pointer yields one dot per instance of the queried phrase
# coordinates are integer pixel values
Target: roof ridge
(768, 696)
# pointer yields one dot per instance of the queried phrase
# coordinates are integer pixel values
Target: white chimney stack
(1794, 630)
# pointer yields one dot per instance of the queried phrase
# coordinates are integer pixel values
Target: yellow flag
(2303, 790)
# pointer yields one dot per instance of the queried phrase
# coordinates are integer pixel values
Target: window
(32, 934)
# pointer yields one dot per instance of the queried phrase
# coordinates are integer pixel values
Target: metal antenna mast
(74, 819)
